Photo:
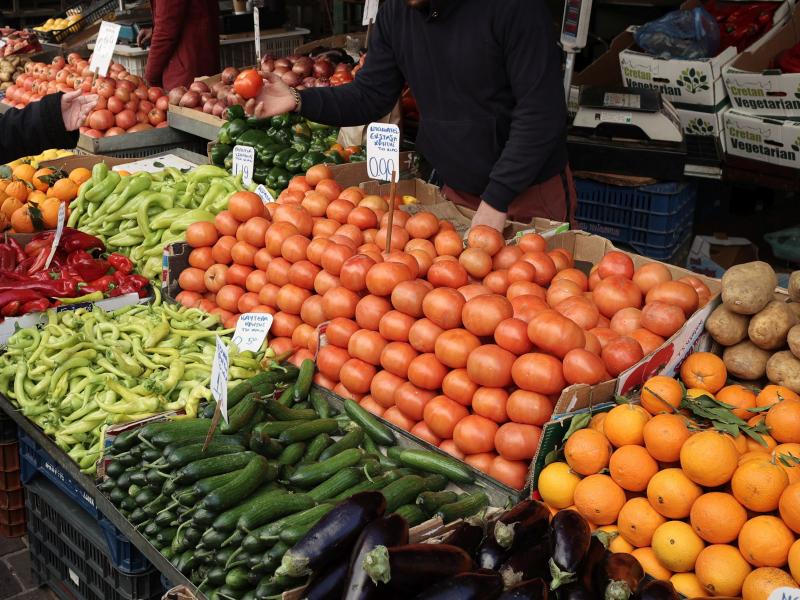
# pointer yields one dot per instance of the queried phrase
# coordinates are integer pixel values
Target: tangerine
(651, 565)
(24, 172)
(677, 546)
(37, 182)
(783, 421)
(557, 484)
(740, 398)
(794, 560)
(664, 435)
(687, 585)
(21, 220)
(764, 541)
(789, 507)
(705, 371)
(788, 457)
(64, 189)
(760, 583)
(774, 393)
(758, 485)
(631, 467)
(722, 569)
(587, 451)
(80, 175)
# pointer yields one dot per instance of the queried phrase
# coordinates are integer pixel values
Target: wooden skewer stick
(392, 193)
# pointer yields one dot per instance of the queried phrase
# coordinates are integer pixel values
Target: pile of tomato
(467, 347)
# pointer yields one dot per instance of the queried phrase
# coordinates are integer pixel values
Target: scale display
(575, 24)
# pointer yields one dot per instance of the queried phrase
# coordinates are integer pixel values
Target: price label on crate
(251, 331)
(370, 12)
(62, 217)
(243, 159)
(383, 151)
(264, 194)
(104, 48)
(219, 378)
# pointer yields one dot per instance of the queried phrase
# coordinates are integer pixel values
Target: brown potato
(769, 328)
(727, 327)
(795, 308)
(784, 369)
(794, 340)
(794, 286)
(745, 360)
(748, 288)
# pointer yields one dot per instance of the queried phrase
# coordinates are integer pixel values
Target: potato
(794, 340)
(727, 327)
(784, 369)
(745, 360)
(748, 288)
(769, 328)
(795, 308)
(794, 286)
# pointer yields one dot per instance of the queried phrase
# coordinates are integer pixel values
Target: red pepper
(8, 258)
(131, 284)
(87, 267)
(39, 305)
(103, 284)
(11, 309)
(60, 288)
(120, 262)
(17, 298)
(39, 261)
(37, 243)
(72, 240)
(20, 253)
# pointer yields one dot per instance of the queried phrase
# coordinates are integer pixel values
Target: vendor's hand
(486, 215)
(75, 107)
(144, 36)
(275, 98)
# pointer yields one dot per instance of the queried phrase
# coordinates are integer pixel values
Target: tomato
(294, 248)
(512, 335)
(594, 278)
(450, 447)
(525, 288)
(291, 298)
(545, 267)
(459, 387)
(188, 299)
(474, 434)
(677, 293)
(621, 353)
(560, 259)
(201, 234)
(441, 414)
(312, 311)
(407, 297)
(351, 232)
(221, 251)
(443, 307)
(490, 366)
(422, 335)
(530, 408)
(278, 271)
(369, 311)
(532, 242)
(560, 291)
(453, 347)
(201, 258)
(383, 388)
(396, 357)
(448, 243)
(356, 375)
(603, 335)
(368, 403)
(581, 366)
(418, 244)
(615, 263)
(399, 237)
(317, 173)
(661, 318)
(215, 277)
(411, 400)
(382, 278)
(276, 234)
(403, 258)
(573, 275)
(191, 280)
(338, 210)
(626, 320)
(269, 294)
(554, 333)
(395, 326)
(648, 340)
(296, 215)
(339, 331)
(516, 441)
(315, 204)
(284, 324)
(521, 271)
(339, 302)
(650, 275)
(324, 228)
(228, 298)
(395, 417)
(514, 473)
(303, 273)
(254, 231)
(366, 345)
(536, 372)
(448, 274)
(614, 293)
(490, 403)
(426, 372)
(505, 257)
(316, 249)
(471, 290)
(248, 83)
(497, 281)
(486, 238)
(527, 307)
(225, 223)
(581, 310)
(483, 314)
(422, 431)
(324, 281)
(246, 205)
(243, 253)
(703, 293)
(422, 225)
(323, 381)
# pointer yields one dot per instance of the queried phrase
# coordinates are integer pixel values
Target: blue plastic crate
(652, 216)
(35, 460)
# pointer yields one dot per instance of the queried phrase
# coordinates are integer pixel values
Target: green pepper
(278, 178)
(257, 123)
(279, 160)
(294, 164)
(253, 138)
(236, 128)
(332, 138)
(281, 136)
(317, 126)
(300, 144)
(358, 157)
(279, 121)
(224, 136)
(332, 156)
(219, 152)
(266, 153)
(235, 111)
(260, 172)
(311, 159)
(301, 130)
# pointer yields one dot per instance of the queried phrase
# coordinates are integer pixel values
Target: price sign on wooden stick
(383, 151)
(392, 196)
(104, 48)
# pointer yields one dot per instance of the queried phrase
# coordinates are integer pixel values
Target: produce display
(50, 154)
(240, 517)
(700, 481)
(86, 370)
(11, 67)
(474, 368)
(16, 42)
(137, 215)
(59, 23)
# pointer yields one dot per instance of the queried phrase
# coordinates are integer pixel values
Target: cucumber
(380, 433)
(412, 513)
(182, 426)
(315, 448)
(165, 536)
(351, 439)
(114, 469)
(117, 495)
(275, 428)
(107, 485)
(250, 479)
(139, 478)
(128, 504)
(192, 535)
(125, 441)
(336, 484)
(304, 379)
(264, 445)
(272, 557)
(209, 484)
(431, 462)
(403, 491)
(430, 502)
(291, 535)
(192, 452)
(138, 516)
(223, 556)
(203, 518)
(156, 506)
(283, 413)
(463, 508)
(216, 576)
(151, 455)
(241, 414)
(377, 483)
(155, 477)
(169, 443)
(227, 520)
(273, 507)
(435, 483)
(310, 475)
(292, 454)
(146, 496)
(151, 529)
(270, 533)
(237, 579)
(213, 538)
(215, 465)
(124, 480)
(308, 429)
(320, 404)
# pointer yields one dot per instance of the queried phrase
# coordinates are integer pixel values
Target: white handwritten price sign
(785, 593)
(243, 159)
(370, 12)
(104, 48)
(219, 378)
(264, 194)
(62, 217)
(383, 151)
(251, 331)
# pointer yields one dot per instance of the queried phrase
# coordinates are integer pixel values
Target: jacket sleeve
(34, 129)
(371, 95)
(167, 29)
(538, 121)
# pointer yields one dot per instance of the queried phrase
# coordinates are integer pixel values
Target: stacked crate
(12, 498)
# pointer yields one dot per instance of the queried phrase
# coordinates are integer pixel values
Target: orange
(754, 421)
(624, 425)
(740, 398)
(9, 205)
(24, 172)
(754, 455)
(677, 546)
(717, 517)
(774, 393)
(18, 190)
(761, 582)
(597, 421)
(651, 565)
(764, 541)
(556, 485)
(708, 458)
(758, 485)
(587, 451)
(21, 220)
(49, 210)
(789, 507)
(124, 173)
(38, 183)
(80, 174)
(664, 436)
(617, 543)
(35, 197)
(599, 499)
(739, 442)
(722, 570)
(687, 585)
(692, 393)
(637, 521)
(768, 446)
(672, 493)
(661, 394)
(783, 420)
(705, 371)
(3, 184)
(794, 560)
(64, 189)
(789, 452)
(631, 467)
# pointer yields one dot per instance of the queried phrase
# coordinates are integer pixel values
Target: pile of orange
(29, 203)
(716, 514)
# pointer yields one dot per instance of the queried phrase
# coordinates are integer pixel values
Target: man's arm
(538, 121)
(33, 129)
(165, 38)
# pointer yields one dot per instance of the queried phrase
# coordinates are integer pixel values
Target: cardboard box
(713, 255)
(702, 123)
(354, 174)
(774, 141)
(755, 87)
(602, 72)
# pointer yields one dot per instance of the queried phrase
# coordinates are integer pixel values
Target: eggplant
(533, 589)
(466, 586)
(570, 537)
(527, 562)
(526, 510)
(657, 590)
(334, 534)
(408, 570)
(491, 554)
(327, 584)
(575, 591)
(595, 555)
(387, 531)
(465, 536)
(617, 576)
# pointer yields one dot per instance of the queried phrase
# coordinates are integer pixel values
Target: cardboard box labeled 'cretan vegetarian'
(770, 140)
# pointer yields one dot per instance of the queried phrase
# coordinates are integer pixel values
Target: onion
(175, 94)
(190, 99)
(291, 78)
(208, 106)
(199, 86)
(304, 66)
(281, 71)
(235, 99)
(223, 92)
(268, 65)
(218, 109)
(293, 58)
(217, 87)
(283, 62)
(342, 67)
(309, 82)
(206, 96)
(323, 68)
(323, 82)
(228, 75)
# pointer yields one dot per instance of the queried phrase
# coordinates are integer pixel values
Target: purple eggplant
(328, 583)
(574, 591)
(491, 554)
(334, 535)
(527, 510)
(404, 571)
(533, 589)
(466, 586)
(657, 590)
(617, 576)
(527, 562)
(570, 537)
(387, 531)
(595, 555)
(465, 536)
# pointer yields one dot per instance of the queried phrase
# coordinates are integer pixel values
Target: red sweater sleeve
(168, 21)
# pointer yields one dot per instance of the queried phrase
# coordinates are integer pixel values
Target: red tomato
(354, 271)
(513, 473)
(626, 320)
(395, 326)
(486, 238)
(191, 280)
(303, 273)
(366, 345)
(339, 331)
(573, 275)
(396, 357)
(453, 347)
(536, 372)
(471, 290)
(228, 298)
(443, 307)
(561, 290)
(581, 310)
(368, 403)
(581, 366)
(382, 278)
(395, 417)
(383, 387)
(201, 258)
(621, 353)
(515, 441)
(648, 340)
(650, 275)
(422, 335)
(490, 366)
(676, 293)
(201, 234)
(291, 298)
(490, 403)
(527, 306)
(459, 387)
(448, 273)
(661, 318)
(441, 415)
(407, 297)
(340, 302)
(554, 333)
(545, 267)
(426, 372)
(614, 293)
(615, 263)
(369, 311)
(422, 225)
(506, 256)
(248, 83)
(411, 400)
(532, 242)
(475, 434)
(529, 408)
(356, 375)
(312, 311)
(512, 335)
(484, 313)
(450, 447)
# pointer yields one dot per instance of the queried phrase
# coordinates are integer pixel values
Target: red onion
(223, 92)
(283, 62)
(208, 106)
(291, 78)
(309, 82)
(281, 71)
(190, 99)
(342, 67)
(228, 75)
(268, 65)
(175, 94)
(293, 58)
(199, 86)
(206, 96)
(218, 109)
(323, 68)
(323, 82)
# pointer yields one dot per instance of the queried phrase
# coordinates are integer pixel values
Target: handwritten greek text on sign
(62, 217)
(785, 593)
(219, 378)
(383, 151)
(370, 12)
(104, 48)
(251, 330)
(243, 159)
(264, 194)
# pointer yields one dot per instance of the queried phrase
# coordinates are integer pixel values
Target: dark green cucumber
(261, 383)
(125, 441)
(165, 536)
(320, 404)
(213, 538)
(308, 429)
(209, 484)
(128, 504)
(271, 532)
(275, 428)
(241, 414)
(155, 478)
(273, 507)
(412, 513)
(237, 579)
(291, 535)
(192, 535)
(377, 483)
(304, 379)
(227, 520)
(146, 496)
(463, 508)
(306, 476)
(215, 465)
(283, 413)
(178, 427)
(403, 491)
(292, 454)
(380, 433)
(250, 479)
(114, 469)
(216, 576)
(150, 455)
(203, 518)
(264, 445)
(431, 462)
(315, 448)
(223, 556)
(338, 483)
(430, 502)
(351, 439)
(117, 495)
(193, 452)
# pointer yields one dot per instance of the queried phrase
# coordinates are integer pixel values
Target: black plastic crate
(68, 551)
(90, 12)
(8, 429)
